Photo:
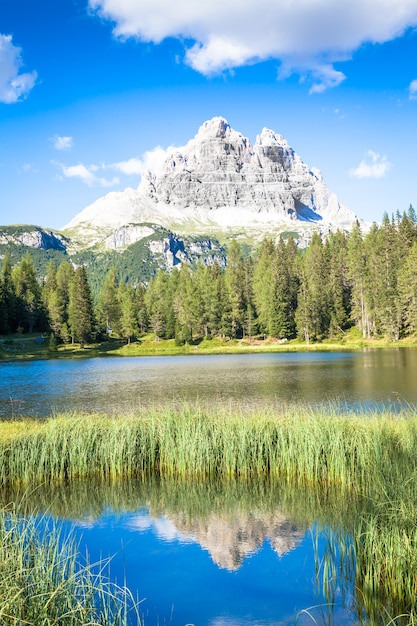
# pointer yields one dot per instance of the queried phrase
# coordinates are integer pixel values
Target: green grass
(368, 463)
(304, 446)
(43, 583)
(26, 347)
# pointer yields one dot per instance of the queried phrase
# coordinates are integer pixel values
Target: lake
(212, 555)
(365, 379)
(207, 554)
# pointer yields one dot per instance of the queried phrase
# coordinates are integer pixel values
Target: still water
(205, 554)
(367, 379)
(208, 554)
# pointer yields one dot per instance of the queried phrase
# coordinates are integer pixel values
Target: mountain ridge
(216, 188)
(219, 183)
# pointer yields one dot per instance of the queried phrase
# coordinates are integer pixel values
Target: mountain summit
(220, 183)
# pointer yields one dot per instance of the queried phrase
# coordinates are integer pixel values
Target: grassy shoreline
(44, 581)
(302, 445)
(36, 347)
(369, 457)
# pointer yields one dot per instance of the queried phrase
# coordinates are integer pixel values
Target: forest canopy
(367, 281)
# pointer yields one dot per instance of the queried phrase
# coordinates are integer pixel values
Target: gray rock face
(220, 170)
(172, 251)
(220, 182)
(34, 238)
(126, 235)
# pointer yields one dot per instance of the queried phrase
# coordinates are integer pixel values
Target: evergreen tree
(80, 309)
(52, 300)
(142, 313)
(56, 313)
(64, 277)
(28, 296)
(128, 319)
(50, 284)
(263, 286)
(384, 261)
(155, 299)
(186, 306)
(338, 283)
(109, 307)
(359, 280)
(313, 315)
(234, 314)
(407, 288)
(8, 296)
(249, 321)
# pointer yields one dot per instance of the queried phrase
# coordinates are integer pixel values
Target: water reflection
(214, 553)
(370, 378)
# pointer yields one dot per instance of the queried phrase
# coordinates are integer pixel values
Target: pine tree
(28, 295)
(383, 262)
(358, 274)
(142, 313)
(234, 283)
(8, 296)
(64, 277)
(313, 315)
(212, 291)
(80, 308)
(262, 285)
(108, 309)
(338, 283)
(155, 299)
(56, 313)
(249, 322)
(128, 319)
(407, 289)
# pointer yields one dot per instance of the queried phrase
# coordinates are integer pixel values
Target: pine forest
(344, 281)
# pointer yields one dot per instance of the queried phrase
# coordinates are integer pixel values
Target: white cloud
(153, 159)
(87, 174)
(129, 168)
(14, 86)
(307, 36)
(374, 166)
(62, 143)
(90, 174)
(412, 90)
(28, 168)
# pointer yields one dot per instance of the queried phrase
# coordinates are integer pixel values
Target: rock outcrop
(219, 182)
(32, 237)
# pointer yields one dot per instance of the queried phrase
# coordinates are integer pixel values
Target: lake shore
(37, 347)
(305, 448)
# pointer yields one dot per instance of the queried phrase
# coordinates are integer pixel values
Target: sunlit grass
(369, 460)
(43, 583)
(304, 446)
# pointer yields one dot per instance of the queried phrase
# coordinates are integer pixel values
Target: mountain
(218, 184)
(216, 188)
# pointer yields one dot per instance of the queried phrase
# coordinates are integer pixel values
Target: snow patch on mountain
(220, 181)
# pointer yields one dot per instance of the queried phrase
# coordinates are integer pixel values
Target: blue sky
(93, 91)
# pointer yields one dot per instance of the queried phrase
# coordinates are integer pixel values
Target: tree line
(367, 281)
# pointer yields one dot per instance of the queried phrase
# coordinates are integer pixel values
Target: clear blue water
(180, 578)
(228, 567)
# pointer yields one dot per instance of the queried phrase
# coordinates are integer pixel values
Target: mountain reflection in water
(263, 562)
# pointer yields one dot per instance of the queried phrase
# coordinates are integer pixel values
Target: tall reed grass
(42, 582)
(370, 459)
(303, 446)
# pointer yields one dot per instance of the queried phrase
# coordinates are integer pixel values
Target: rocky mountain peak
(216, 127)
(270, 138)
(220, 182)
